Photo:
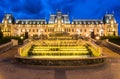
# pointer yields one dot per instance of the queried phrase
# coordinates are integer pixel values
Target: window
(80, 30)
(36, 30)
(76, 22)
(69, 29)
(97, 30)
(37, 22)
(45, 30)
(33, 22)
(72, 30)
(27, 30)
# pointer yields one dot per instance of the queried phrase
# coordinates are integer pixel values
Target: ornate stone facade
(59, 23)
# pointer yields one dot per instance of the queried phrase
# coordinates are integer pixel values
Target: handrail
(23, 51)
(6, 46)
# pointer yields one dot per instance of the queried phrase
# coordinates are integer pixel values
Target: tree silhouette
(1, 34)
(26, 35)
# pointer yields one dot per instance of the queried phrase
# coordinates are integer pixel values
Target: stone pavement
(10, 70)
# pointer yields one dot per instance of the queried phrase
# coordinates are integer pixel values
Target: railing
(25, 41)
(112, 46)
(63, 62)
(96, 50)
(108, 44)
(23, 51)
(6, 47)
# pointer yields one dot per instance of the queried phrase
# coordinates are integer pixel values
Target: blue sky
(82, 9)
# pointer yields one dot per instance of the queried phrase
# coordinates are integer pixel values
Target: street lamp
(21, 37)
(97, 37)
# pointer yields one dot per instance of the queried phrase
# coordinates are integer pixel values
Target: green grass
(8, 39)
(4, 40)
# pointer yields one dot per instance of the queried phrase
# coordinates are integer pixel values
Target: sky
(77, 9)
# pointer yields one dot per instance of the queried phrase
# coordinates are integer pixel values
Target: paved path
(109, 52)
(9, 54)
(60, 74)
(10, 70)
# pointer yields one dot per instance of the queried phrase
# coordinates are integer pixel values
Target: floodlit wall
(23, 51)
(96, 50)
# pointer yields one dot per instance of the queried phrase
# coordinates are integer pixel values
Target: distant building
(59, 23)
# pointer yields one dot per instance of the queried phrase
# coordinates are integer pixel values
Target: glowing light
(78, 31)
(87, 35)
(97, 38)
(91, 30)
(21, 37)
(23, 30)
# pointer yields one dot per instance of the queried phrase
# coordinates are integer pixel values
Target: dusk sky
(78, 9)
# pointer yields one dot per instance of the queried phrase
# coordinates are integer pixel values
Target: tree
(26, 35)
(1, 34)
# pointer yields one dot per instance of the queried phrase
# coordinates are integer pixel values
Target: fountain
(60, 52)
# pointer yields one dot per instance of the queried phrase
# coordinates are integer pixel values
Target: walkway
(9, 70)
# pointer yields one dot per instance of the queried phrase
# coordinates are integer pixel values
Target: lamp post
(97, 37)
(21, 37)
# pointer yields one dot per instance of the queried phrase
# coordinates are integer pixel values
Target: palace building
(59, 23)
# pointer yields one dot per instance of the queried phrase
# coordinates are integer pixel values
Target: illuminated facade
(59, 23)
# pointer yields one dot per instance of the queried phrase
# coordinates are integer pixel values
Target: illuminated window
(69, 29)
(23, 30)
(97, 30)
(45, 30)
(76, 23)
(27, 30)
(80, 30)
(36, 30)
(72, 30)
(41, 22)
(33, 22)
(37, 22)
